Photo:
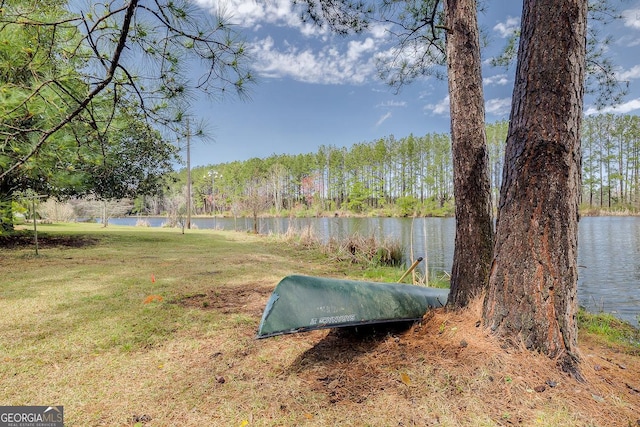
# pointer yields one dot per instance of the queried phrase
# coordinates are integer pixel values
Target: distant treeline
(393, 176)
(611, 161)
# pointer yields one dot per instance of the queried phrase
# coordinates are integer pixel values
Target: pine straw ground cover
(154, 328)
(449, 371)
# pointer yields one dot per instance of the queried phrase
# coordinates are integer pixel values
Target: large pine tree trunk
(532, 287)
(471, 185)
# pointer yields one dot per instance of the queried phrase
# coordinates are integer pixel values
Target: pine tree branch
(115, 61)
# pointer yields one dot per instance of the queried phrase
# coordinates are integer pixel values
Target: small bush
(365, 250)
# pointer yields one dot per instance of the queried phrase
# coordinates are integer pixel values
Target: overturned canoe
(303, 303)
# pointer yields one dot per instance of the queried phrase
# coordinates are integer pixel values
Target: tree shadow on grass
(25, 238)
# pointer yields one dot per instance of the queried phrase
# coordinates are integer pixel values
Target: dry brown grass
(72, 321)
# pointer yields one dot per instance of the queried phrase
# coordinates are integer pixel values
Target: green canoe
(304, 303)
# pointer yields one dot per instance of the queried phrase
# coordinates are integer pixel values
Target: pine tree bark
(531, 297)
(471, 184)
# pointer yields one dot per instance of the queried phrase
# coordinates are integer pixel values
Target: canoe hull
(304, 303)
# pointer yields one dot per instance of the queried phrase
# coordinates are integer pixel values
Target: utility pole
(188, 176)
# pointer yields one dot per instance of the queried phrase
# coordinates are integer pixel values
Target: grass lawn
(129, 326)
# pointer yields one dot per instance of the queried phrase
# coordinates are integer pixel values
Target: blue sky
(315, 88)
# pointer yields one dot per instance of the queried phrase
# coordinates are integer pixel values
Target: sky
(315, 88)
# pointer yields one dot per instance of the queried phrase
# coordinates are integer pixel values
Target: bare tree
(256, 199)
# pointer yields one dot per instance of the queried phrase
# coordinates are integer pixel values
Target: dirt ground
(449, 354)
(467, 364)
(230, 300)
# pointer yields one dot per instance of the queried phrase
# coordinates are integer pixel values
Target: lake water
(608, 249)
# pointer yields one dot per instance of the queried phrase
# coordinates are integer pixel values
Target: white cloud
(328, 65)
(634, 43)
(498, 106)
(379, 31)
(499, 80)
(254, 14)
(631, 18)
(392, 104)
(282, 13)
(633, 73)
(507, 28)
(440, 108)
(313, 60)
(628, 39)
(358, 48)
(383, 119)
(624, 108)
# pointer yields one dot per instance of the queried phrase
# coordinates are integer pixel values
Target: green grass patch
(609, 328)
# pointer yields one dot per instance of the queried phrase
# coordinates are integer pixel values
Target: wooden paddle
(413, 266)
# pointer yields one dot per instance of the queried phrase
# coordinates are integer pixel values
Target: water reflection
(609, 260)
